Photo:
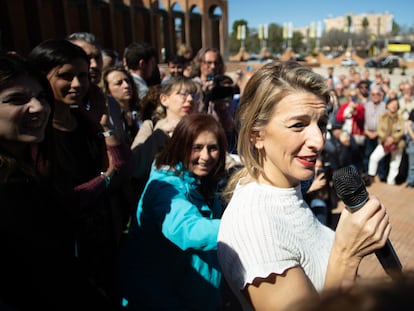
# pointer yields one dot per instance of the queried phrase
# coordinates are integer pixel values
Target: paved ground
(399, 202)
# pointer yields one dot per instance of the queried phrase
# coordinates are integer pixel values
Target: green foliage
(234, 44)
(297, 42)
(349, 21)
(334, 38)
(395, 29)
(365, 24)
(252, 43)
(236, 25)
(275, 41)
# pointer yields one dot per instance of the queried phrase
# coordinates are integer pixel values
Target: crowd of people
(126, 187)
(376, 113)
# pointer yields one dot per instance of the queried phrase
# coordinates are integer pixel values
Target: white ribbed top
(267, 230)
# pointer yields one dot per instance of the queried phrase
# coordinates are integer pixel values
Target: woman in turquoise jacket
(169, 261)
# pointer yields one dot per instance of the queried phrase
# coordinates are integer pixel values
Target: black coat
(38, 268)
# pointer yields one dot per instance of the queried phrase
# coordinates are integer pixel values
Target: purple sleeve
(90, 190)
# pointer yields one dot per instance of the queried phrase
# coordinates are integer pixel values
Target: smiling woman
(24, 112)
(89, 160)
(163, 108)
(271, 247)
(169, 261)
(37, 266)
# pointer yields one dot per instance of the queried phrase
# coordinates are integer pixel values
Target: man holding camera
(217, 88)
(207, 64)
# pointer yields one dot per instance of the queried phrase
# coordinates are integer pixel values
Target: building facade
(376, 24)
(116, 23)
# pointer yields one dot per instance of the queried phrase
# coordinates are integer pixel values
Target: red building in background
(162, 23)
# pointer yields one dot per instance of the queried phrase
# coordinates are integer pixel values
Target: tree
(334, 39)
(365, 24)
(395, 29)
(252, 42)
(297, 42)
(275, 41)
(349, 27)
(234, 44)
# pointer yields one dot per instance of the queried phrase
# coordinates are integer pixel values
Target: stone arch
(178, 22)
(117, 23)
(215, 15)
(160, 30)
(196, 26)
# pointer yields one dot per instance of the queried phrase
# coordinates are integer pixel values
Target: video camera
(222, 87)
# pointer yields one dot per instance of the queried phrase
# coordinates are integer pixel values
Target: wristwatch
(107, 179)
(107, 133)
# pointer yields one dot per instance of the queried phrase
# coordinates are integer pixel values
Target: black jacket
(38, 268)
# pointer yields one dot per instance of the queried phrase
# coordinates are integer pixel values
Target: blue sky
(302, 12)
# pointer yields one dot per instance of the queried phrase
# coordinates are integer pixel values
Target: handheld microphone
(350, 188)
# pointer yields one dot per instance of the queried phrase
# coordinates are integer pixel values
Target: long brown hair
(134, 101)
(180, 145)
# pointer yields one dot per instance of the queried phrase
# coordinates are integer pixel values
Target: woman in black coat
(38, 267)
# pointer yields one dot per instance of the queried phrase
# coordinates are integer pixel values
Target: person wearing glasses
(208, 68)
(177, 98)
(207, 63)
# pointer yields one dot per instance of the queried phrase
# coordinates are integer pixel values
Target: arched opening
(195, 28)
(215, 14)
(178, 24)
(160, 22)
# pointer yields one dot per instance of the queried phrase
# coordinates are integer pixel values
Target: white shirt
(141, 85)
(267, 230)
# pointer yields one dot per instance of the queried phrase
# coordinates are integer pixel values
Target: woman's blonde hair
(175, 85)
(152, 109)
(264, 90)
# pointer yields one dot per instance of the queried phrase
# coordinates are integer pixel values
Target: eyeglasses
(209, 63)
(375, 94)
(184, 95)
